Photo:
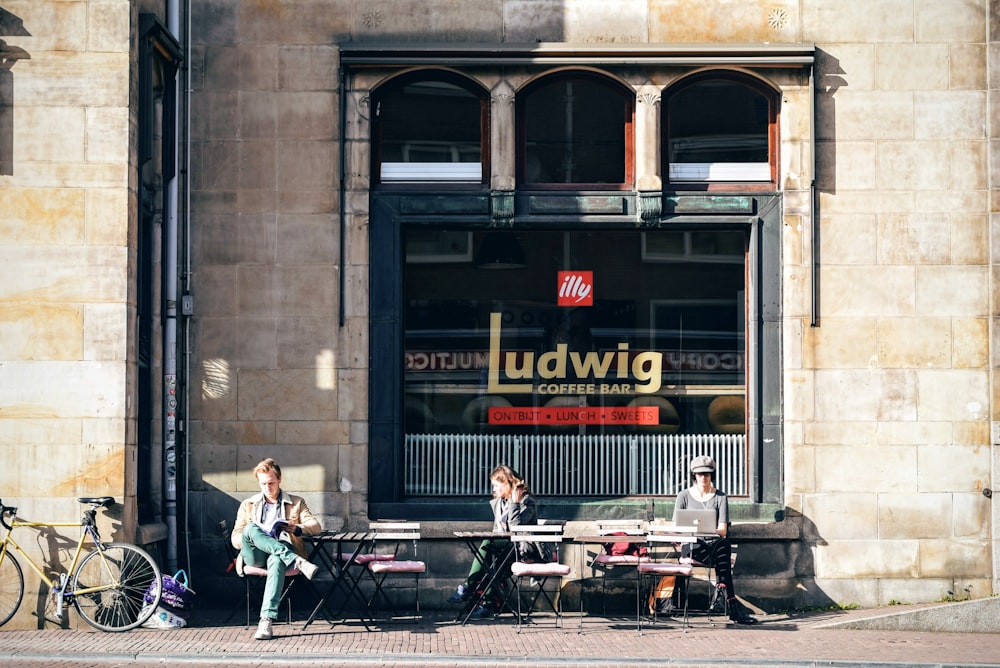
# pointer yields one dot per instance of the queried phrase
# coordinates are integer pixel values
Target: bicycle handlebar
(4, 511)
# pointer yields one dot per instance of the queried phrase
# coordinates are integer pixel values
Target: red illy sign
(576, 288)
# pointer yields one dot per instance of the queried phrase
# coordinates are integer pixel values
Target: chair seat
(666, 569)
(368, 558)
(398, 566)
(619, 559)
(262, 572)
(520, 569)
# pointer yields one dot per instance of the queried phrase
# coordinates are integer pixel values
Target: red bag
(625, 549)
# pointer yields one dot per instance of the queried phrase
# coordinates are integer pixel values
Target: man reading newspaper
(268, 534)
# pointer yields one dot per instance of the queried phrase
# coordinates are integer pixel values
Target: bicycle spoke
(110, 585)
(11, 588)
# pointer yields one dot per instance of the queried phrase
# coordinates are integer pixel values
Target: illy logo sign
(576, 288)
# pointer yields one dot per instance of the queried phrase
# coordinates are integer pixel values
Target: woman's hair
(267, 466)
(506, 474)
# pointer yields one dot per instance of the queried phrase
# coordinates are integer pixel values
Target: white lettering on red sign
(576, 288)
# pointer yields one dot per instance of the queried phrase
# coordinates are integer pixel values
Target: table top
(341, 536)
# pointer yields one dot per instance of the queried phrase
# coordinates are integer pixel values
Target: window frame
(440, 179)
(613, 84)
(773, 97)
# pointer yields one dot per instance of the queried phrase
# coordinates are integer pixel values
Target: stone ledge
(147, 534)
(787, 530)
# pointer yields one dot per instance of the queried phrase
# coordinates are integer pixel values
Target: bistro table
(602, 540)
(491, 576)
(328, 551)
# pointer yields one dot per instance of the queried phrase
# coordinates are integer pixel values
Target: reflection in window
(429, 130)
(575, 130)
(719, 130)
(682, 312)
(495, 369)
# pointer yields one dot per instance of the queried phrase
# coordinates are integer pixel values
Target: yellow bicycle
(114, 586)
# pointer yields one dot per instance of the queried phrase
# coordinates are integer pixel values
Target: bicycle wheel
(11, 587)
(110, 585)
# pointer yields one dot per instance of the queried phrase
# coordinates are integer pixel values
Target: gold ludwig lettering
(646, 368)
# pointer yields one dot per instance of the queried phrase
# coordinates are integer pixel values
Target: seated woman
(512, 505)
(716, 552)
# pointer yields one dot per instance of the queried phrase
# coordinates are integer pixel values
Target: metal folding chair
(606, 563)
(539, 573)
(661, 542)
(398, 534)
(253, 577)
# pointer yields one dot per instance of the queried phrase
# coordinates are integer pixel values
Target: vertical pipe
(169, 288)
(813, 222)
(343, 191)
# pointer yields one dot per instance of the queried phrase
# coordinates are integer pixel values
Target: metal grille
(571, 465)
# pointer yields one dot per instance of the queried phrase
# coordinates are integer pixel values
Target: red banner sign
(563, 415)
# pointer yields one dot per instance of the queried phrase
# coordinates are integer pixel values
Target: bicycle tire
(124, 573)
(11, 587)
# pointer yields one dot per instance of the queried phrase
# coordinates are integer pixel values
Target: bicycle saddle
(103, 501)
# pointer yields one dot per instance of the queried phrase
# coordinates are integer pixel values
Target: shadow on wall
(10, 25)
(778, 572)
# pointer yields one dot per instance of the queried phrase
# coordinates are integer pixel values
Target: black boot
(739, 614)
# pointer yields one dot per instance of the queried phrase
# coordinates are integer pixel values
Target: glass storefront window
(590, 337)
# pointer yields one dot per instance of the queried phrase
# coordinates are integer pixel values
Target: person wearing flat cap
(702, 494)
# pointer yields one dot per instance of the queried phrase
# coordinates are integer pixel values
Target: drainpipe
(170, 327)
(186, 299)
(813, 208)
(343, 192)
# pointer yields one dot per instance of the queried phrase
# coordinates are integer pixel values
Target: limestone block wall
(888, 400)
(66, 247)
(887, 379)
(279, 361)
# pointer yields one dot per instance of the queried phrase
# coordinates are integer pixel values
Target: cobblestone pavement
(437, 640)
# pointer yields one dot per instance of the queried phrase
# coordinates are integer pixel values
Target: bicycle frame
(8, 541)
(120, 586)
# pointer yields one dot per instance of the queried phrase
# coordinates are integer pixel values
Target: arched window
(575, 129)
(721, 128)
(429, 126)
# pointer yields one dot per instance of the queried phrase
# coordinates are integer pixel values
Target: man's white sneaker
(307, 568)
(263, 630)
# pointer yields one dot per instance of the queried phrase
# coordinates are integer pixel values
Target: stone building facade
(204, 261)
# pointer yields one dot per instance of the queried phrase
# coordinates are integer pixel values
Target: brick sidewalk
(779, 640)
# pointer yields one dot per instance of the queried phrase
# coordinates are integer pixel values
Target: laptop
(704, 521)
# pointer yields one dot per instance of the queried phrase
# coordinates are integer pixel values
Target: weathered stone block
(952, 290)
(914, 343)
(867, 291)
(953, 395)
(908, 516)
(841, 516)
(269, 394)
(723, 21)
(859, 469)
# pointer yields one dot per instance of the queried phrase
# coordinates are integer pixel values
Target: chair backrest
(396, 532)
(537, 533)
(545, 536)
(664, 538)
(227, 543)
